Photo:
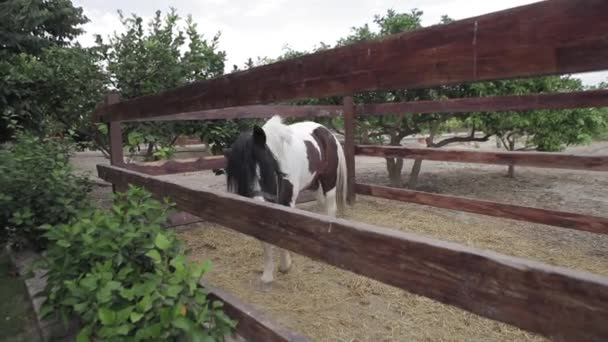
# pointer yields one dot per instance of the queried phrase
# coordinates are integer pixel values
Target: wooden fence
(544, 38)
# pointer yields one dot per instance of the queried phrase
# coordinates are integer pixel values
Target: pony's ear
(259, 136)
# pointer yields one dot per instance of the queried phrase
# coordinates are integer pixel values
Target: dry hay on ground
(328, 304)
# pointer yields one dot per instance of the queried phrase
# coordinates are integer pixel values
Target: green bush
(37, 187)
(127, 278)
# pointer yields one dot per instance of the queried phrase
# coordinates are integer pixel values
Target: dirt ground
(328, 304)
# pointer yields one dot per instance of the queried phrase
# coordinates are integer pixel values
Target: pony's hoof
(266, 279)
(285, 268)
(285, 264)
(265, 284)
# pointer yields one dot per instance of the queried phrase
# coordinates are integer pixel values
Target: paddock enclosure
(544, 38)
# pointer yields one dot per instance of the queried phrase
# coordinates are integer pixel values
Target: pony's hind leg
(285, 261)
(268, 275)
(330, 202)
(320, 196)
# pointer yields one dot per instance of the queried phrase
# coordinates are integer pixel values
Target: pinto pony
(273, 163)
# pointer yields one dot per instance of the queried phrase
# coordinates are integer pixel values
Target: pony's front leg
(268, 275)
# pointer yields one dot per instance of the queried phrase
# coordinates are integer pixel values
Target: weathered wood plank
(167, 167)
(587, 223)
(253, 325)
(547, 37)
(253, 112)
(579, 99)
(115, 138)
(556, 302)
(531, 159)
(349, 146)
(160, 168)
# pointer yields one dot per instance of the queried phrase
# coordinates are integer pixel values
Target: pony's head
(252, 170)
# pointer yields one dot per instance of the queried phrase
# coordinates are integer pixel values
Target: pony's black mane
(244, 155)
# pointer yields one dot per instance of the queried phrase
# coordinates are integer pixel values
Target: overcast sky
(252, 28)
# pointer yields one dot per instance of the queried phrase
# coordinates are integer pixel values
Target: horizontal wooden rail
(564, 100)
(531, 159)
(547, 37)
(559, 303)
(578, 99)
(556, 218)
(252, 324)
(252, 112)
(166, 167)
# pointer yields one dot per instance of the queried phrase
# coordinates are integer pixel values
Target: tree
(392, 129)
(538, 130)
(32, 32)
(143, 62)
(71, 84)
(29, 26)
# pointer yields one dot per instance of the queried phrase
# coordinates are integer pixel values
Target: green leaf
(174, 290)
(136, 316)
(81, 307)
(63, 243)
(122, 329)
(154, 255)
(127, 294)
(178, 262)
(145, 304)
(106, 316)
(200, 297)
(113, 285)
(200, 270)
(150, 331)
(90, 283)
(122, 274)
(198, 335)
(104, 294)
(166, 315)
(124, 314)
(84, 334)
(162, 242)
(183, 323)
(46, 309)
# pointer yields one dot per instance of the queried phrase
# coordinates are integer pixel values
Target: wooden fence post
(349, 146)
(115, 139)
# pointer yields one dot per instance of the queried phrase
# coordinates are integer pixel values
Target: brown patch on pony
(328, 168)
(314, 158)
(314, 165)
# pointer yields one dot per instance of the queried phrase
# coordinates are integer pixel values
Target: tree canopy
(29, 26)
(164, 56)
(45, 80)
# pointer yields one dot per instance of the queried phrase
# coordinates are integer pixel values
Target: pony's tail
(341, 178)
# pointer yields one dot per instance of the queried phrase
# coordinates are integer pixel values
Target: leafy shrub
(127, 278)
(37, 187)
